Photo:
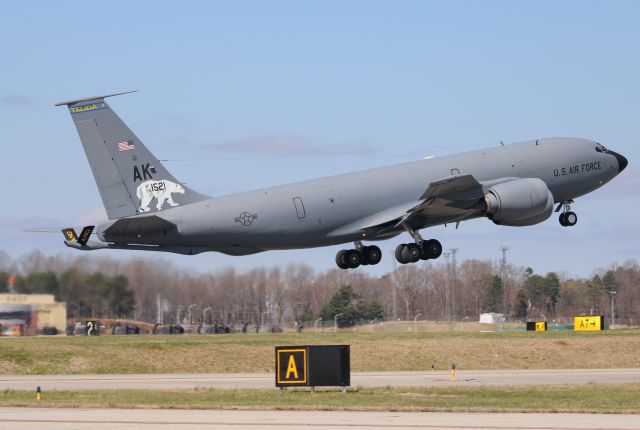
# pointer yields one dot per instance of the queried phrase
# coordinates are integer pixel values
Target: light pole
(613, 314)
(415, 322)
(503, 274)
(178, 314)
(315, 324)
(446, 286)
(189, 310)
(394, 289)
(204, 315)
(335, 322)
(159, 312)
(453, 283)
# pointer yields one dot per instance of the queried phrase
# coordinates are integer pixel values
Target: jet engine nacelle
(519, 202)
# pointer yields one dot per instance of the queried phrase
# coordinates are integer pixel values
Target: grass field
(369, 351)
(623, 398)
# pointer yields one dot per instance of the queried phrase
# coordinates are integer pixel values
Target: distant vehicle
(149, 209)
(125, 329)
(167, 329)
(48, 331)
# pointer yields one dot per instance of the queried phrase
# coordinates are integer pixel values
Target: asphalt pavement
(471, 378)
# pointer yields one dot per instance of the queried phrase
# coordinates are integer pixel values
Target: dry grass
(369, 351)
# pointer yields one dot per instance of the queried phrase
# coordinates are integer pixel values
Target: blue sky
(243, 95)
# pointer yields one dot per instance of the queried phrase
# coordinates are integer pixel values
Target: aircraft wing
(447, 200)
(453, 186)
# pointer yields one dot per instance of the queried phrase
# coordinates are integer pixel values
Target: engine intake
(520, 202)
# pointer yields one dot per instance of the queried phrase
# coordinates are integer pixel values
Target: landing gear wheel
(567, 218)
(341, 259)
(399, 252)
(562, 219)
(570, 219)
(411, 253)
(372, 254)
(363, 256)
(431, 249)
(352, 258)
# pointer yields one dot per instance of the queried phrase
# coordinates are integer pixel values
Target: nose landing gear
(567, 217)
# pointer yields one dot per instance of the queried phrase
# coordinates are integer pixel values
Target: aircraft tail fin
(130, 178)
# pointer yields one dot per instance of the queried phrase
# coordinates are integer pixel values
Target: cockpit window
(601, 148)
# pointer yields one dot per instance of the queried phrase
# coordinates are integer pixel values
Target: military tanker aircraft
(149, 209)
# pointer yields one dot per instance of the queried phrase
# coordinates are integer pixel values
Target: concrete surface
(104, 419)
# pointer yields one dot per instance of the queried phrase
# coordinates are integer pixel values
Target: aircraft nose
(622, 161)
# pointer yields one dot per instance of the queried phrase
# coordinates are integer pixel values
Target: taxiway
(464, 378)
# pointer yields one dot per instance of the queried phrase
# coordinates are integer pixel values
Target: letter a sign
(292, 369)
(291, 366)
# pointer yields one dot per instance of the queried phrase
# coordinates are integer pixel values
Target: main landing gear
(361, 255)
(567, 217)
(405, 253)
(412, 252)
(420, 250)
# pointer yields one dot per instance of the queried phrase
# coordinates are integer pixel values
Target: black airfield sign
(313, 366)
(291, 366)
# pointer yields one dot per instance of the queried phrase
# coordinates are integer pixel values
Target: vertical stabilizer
(130, 179)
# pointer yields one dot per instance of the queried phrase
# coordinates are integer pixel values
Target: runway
(163, 419)
(362, 379)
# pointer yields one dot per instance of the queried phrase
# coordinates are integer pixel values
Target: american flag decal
(126, 146)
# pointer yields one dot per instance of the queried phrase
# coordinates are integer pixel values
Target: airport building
(31, 314)
(491, 318)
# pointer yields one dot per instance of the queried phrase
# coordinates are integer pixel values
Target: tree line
(87, 294)
(147, 289)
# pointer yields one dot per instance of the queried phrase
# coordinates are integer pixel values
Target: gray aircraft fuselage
(318, 212)
(150, 209)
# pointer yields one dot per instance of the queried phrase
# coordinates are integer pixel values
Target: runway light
(433, 367)
(38, 393)
(453, 371)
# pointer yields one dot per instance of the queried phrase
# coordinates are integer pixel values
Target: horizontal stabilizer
(86, 99)
(91, 245)
(55, 230)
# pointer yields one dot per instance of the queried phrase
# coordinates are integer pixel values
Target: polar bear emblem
(161, 190)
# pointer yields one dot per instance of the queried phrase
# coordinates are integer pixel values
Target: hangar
(31, 314)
